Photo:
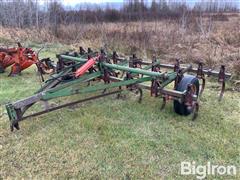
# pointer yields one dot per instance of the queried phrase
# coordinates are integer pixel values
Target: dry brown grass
(213, 42)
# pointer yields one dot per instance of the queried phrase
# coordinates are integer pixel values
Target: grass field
(116, 139)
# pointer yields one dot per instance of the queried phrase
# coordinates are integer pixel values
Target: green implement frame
(135, 77)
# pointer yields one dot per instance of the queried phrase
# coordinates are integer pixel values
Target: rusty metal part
(195, 110)
(177, 65)
(164, 102)
(46, 66)
(208, 72)
(179, 75)
(221, 79)
(81, 50)
(114, 57)
(89, 50)
(200, 75)
(155, 85)
(155, 67)
(135, 62)
(188, 100)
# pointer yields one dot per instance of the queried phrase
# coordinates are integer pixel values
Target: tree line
(29, 13)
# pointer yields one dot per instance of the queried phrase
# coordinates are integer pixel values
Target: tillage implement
(100, 74)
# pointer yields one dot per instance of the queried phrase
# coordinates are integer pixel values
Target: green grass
(117, 139)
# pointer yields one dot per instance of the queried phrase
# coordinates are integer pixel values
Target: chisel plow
(101, 74)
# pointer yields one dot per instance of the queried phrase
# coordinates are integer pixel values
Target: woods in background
(28, 13)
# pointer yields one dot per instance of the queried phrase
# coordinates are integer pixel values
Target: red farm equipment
(21, 58)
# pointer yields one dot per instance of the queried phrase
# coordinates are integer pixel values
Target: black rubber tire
(181, 108)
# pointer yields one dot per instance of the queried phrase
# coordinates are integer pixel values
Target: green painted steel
(148, 66)
(66, 88)
(78, 59)
(171, 78)
(55, 77)
(134, 70)
(112, 85)
(12, 114)
(119, 67)
(70, 90)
